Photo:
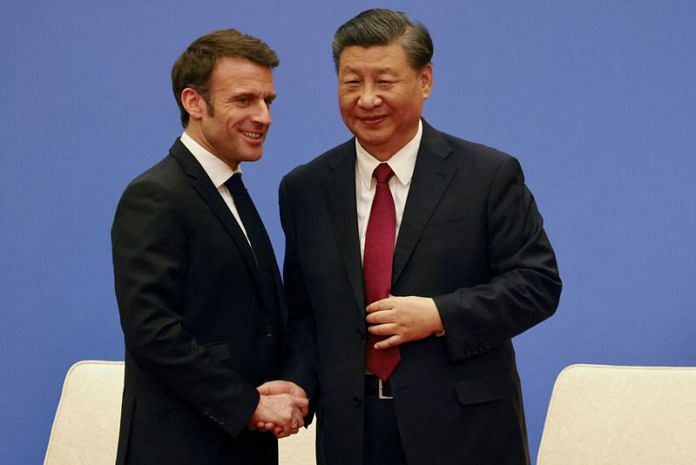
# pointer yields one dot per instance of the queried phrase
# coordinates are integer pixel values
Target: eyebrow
(270, 97)
(349, 69)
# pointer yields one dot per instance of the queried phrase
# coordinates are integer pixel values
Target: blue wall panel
(597, 100)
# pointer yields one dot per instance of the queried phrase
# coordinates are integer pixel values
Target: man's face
(234, 124)
(381, 96)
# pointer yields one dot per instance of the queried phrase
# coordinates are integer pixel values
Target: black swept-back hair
(381, 26)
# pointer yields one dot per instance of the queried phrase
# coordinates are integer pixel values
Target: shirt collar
(402, 162)
(217, 170)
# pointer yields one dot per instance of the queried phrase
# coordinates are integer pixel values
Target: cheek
(343, 106)
(346, 102)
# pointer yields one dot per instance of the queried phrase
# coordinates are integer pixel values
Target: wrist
(438, 329)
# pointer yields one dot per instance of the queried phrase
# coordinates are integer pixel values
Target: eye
(243, 100)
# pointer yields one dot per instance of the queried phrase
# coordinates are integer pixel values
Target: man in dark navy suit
(200, 298)
(418, 256)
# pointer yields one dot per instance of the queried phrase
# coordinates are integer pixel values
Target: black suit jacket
(200, 333)
(471, 237)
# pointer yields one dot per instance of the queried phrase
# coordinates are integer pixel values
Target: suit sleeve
(149, 254)
(525, 285)
(301, 353)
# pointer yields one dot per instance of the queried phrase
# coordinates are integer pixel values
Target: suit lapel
(431, 176)
(205, 188)
(339, 191)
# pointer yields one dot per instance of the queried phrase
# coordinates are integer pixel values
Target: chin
(253, 157)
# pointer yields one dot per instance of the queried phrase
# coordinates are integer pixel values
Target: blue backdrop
(597, 99)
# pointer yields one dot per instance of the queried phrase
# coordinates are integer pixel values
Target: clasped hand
(403, 319)
(281, 409)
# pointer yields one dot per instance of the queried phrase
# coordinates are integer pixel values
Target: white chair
(621, 415)
(298, 449)
(85, 428)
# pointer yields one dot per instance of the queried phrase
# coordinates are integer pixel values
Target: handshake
(281, 409)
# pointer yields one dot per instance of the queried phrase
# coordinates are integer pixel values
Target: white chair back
(86, 424)
(298, 449)
(621, 415)
(85, 428)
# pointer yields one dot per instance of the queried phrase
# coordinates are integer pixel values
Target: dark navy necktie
(256, 232)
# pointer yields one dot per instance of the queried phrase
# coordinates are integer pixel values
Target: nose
(262, 115)
(369, 97)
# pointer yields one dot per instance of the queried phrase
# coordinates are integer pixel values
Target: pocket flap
(485, 388)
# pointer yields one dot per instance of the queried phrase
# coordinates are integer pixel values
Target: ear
(426, 80)
(193, 103)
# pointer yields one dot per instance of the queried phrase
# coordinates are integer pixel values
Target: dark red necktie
(377, 266)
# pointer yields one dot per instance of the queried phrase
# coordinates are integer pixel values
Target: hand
(403, 319)
(280, 413)
(280, 386)
(276, 387)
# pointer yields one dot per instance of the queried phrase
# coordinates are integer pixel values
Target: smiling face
(233, 122)
(381, 96)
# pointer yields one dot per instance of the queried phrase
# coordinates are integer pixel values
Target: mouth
(253, 136)
(372, 120)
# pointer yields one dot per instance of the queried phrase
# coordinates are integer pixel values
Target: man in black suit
(200, 298)
(418, 256)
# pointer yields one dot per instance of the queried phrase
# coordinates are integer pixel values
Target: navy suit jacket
(200, 330)
(472, 239)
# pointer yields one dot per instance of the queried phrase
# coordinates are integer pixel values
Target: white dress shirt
(402, 163)
(218, 171)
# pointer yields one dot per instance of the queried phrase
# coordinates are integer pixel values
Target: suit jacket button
(269, 331)
(359, 333)
(357, 401)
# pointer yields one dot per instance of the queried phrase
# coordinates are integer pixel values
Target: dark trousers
(382, 440)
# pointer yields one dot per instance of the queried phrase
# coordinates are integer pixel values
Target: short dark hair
(194, 67)
(384, 27)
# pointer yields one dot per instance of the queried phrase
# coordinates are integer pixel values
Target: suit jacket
(471, 237)
(200, 331)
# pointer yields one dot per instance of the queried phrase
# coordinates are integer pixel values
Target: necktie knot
(235, 184)
(383, 173)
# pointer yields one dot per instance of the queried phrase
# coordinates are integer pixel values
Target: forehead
(237, 74)
(355, 58)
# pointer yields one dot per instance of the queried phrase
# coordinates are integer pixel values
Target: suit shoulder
(156, 195)
(314, 168)
(476, 151)
(163, 177)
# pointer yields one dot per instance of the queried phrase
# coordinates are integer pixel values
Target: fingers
(279, 410)
(270, 388)
(381, 316)
(380, 305)
(386, 329)
(391, 341)
(287, 429)
(304, 407)
(279, 431)
(281, 387)
(277, 387)
(403, 319)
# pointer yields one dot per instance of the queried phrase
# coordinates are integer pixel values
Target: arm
(149, 252)
(523, 291)
(301, 353)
